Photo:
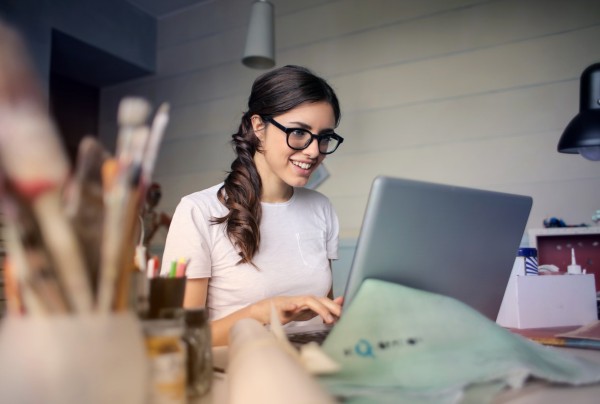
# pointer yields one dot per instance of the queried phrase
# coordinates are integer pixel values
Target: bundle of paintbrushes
(70, 232)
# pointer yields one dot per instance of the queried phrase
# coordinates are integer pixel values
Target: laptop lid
(455, 241)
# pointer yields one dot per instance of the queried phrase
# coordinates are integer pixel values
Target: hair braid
(240, 193)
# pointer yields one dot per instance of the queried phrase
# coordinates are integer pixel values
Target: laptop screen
(455, 241)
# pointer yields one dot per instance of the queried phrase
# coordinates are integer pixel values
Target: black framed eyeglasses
(300, 139)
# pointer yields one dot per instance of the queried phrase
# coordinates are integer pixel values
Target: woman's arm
(195, 293)
(195, 296)
(289, 308)
(330, 294)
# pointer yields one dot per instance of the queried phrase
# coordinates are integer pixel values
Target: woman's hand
(298, 308)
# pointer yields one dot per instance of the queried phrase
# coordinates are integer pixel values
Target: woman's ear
(258, 125)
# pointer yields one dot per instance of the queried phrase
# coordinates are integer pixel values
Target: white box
(543, 301)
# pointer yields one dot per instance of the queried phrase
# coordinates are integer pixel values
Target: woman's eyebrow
(308, 127)
(300, 124)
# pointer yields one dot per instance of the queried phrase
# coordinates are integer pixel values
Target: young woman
(260, 239)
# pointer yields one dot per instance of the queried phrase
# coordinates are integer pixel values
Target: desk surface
(533, 392)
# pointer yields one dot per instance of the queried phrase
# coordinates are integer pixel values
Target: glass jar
(167, 358)
(197, 337)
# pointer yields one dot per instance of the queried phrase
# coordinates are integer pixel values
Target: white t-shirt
(297, 240)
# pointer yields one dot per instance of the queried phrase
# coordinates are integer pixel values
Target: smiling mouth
(304, 166)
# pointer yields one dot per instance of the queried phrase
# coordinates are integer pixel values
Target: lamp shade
(582, 134)
(259, 52)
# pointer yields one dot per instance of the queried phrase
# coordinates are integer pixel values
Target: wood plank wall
(465, 92)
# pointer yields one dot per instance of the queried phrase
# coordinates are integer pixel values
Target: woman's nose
(313, 149)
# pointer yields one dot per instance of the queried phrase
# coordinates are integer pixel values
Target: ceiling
(162, 8)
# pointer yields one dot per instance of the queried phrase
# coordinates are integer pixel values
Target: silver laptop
(455, 241)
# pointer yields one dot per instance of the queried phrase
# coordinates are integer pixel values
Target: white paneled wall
(467, 92)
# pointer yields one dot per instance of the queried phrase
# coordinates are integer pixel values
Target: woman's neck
(276, 193)
(274, 189)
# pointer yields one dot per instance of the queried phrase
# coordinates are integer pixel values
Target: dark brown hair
(273, 93)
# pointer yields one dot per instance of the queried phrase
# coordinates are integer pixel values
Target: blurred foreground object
(70, 336)
(70, 232)
(45, 254)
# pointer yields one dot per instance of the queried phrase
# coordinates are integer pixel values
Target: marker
(156, 266)
(173, 271)
(181, 267)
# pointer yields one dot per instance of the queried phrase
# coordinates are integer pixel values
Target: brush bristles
(133, 111)
(163, 109)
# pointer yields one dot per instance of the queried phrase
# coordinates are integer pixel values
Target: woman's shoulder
(205, 198)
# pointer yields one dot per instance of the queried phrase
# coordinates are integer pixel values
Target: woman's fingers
(323, 306)
(299, 308)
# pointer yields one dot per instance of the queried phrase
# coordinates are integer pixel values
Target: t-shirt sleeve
(333, 233)
(188, 238)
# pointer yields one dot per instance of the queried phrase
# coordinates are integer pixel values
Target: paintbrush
(84, 203)
(121, 202)
(144, 151)
(159, 124)
(143, 156)
(35, 164)
(31, 263)
(138, 144)
(17, 79)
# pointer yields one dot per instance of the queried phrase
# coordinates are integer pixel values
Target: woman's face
(278, 164)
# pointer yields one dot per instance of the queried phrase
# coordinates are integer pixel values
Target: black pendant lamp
(582, 134)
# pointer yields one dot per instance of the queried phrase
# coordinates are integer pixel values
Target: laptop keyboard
(306, 337)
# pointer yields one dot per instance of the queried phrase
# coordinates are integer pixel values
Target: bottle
(574, 269)
(529, 261)
(197, 337)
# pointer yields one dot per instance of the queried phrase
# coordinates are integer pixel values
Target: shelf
(554, 247)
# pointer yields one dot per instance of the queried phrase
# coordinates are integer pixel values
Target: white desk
(532, 392)
(541, 392)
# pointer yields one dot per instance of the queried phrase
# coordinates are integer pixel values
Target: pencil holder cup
(165, 293)
(73, 359)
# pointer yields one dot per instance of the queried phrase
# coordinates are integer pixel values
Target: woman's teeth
(305, 166)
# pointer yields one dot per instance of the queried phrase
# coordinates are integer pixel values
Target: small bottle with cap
(574, 269)
(527, 261)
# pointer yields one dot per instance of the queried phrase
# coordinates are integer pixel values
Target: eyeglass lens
(300, 139)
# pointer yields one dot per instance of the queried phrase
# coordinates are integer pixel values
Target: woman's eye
(298, 133)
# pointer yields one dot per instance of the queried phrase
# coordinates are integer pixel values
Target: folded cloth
(398, 344)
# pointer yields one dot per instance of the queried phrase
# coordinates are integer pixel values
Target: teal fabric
(396, 344)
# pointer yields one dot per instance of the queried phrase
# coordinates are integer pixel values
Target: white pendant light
(260, 41)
